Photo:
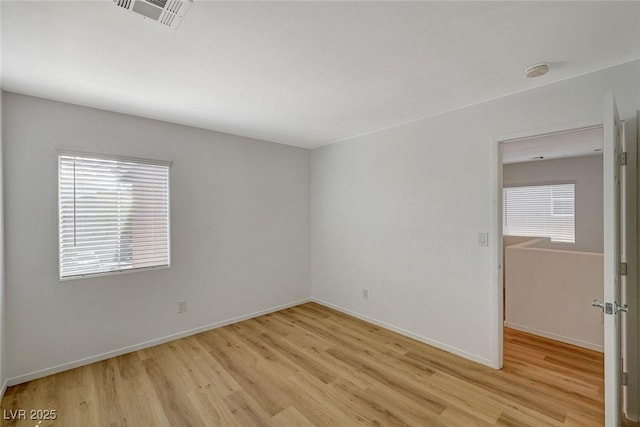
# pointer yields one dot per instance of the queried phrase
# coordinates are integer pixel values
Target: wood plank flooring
(310, 365)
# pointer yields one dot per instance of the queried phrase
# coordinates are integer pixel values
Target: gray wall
(239, 234)
(586, 172)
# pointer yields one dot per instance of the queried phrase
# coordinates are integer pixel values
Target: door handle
(608, 308)
(620, 308)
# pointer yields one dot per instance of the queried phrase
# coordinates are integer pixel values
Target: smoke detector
(537, 70)
(166, 12)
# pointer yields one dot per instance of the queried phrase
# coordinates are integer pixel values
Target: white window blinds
(540, 211)
(113, 214)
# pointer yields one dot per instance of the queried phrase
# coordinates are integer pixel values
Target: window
(113, 214)
(562, 203)
(540, 211)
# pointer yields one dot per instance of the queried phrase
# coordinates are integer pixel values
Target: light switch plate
(483, 239)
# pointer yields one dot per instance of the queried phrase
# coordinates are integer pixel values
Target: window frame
(103, 156)
(543, 184)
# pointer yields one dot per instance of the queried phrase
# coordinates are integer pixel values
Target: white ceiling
(583, 142)
(305, 73)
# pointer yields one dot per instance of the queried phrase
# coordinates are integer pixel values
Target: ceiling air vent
(166, 12)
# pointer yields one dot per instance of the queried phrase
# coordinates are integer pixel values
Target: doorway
(552, 220)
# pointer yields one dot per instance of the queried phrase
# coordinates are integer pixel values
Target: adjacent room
(319, 213)
(553, 236)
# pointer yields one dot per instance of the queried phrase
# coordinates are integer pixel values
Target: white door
(612, 153)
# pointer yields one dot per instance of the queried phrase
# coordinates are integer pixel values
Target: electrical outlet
(182, 306)
(365, 293)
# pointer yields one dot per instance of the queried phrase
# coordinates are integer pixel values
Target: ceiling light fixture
(537, 70)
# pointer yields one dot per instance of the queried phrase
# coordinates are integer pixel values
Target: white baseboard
(99, 357)
(3, 389)
(417, 337)
(556, 337)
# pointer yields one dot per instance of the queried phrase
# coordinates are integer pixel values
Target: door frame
(496, 236)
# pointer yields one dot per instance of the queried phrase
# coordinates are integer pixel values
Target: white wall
(586, 172)
(508, 241)
(514, 240)
(399, 211)
(3, 377)
(2, 275)
(549, 293)
(239, 234)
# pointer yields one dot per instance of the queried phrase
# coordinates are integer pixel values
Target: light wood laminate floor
(310, 365)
